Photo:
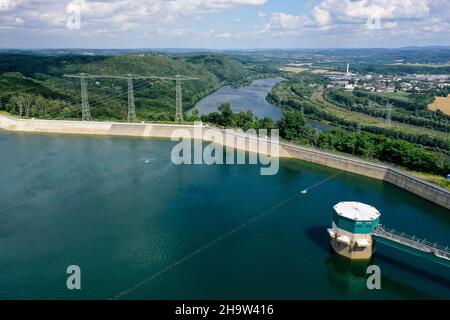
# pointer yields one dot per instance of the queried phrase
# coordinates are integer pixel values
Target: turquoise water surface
(132, 221)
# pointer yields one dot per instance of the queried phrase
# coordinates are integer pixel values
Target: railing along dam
(412, 242)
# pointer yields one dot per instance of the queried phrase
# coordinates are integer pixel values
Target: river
(120, 210)
(250, 98)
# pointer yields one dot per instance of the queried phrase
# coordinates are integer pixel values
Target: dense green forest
(225, 117)
(411, 110)
(34, 85)
(367, 145)
(297, 93)
(223, 67)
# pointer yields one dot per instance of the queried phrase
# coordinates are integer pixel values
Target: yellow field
(441, 103)
(320, 71)
(293, 69)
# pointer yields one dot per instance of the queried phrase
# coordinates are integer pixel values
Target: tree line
(364, 144)
(358, 103)
(439, 144)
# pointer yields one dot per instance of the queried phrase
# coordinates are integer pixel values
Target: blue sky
(223, 24)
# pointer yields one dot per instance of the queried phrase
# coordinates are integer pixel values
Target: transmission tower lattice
(85, 109)
(86, 114)
(388, 121)
(179, 97)
(131, 106)
(179, 101)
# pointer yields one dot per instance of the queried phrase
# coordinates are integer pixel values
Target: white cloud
(6, 5)
(354, 11)
(322, 17)
(181, 31)
(101, 14)
(285, 21)
(390, 25)
(161, 19)
(224, 35)
(415, 21)
(19, 20)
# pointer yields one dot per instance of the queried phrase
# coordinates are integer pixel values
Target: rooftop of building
(357, 211)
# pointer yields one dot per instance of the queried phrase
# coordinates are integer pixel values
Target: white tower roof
(357, 211)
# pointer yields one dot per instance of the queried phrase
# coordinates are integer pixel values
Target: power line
(85, 92)
(85, 109)
(178, 92)
(47, 91)
(85, 101)
(388, 121)
(223, 237)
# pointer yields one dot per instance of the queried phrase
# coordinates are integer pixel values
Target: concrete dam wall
(396, 177)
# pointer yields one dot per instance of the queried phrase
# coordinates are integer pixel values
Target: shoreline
(403, 180)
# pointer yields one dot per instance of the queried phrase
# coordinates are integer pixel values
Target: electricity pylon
(86, 114)
(179, 97)
(179, 101)
(131, 106)
(388, 120)
(85, 109)
(179, 94)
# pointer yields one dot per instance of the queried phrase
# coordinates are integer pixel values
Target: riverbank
(396, 177)
(251, 97)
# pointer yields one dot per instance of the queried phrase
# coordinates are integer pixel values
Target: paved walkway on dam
(394, 176)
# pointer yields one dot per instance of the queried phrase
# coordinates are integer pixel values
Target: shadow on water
(346, 276)
(420, 272)
(390, 196)
(318, 235)
(349, 277)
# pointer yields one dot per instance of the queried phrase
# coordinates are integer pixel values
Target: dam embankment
(396, 177)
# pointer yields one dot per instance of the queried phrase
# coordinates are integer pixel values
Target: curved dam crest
(396, 177)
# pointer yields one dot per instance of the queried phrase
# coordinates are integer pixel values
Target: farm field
(293, 69)
(441, 103)
(318, 98)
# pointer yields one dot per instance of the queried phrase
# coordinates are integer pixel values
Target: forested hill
(42, 77)
(224, 67)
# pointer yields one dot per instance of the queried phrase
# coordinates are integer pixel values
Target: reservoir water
(120, 210)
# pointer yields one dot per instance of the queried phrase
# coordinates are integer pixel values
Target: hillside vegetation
(417, 139)
(38, 82)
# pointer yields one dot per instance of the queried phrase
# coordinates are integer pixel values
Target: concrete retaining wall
(405, 181)
(419, 187)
